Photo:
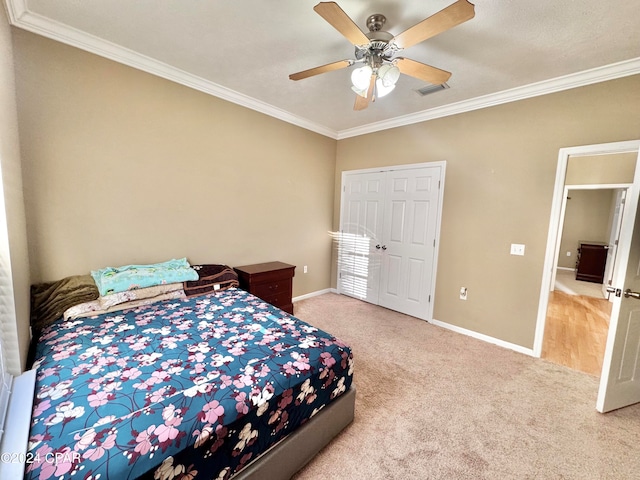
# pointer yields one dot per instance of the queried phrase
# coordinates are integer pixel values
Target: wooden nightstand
(271, 281)
(591, 261)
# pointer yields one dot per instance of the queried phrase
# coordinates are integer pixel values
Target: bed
(215, 386)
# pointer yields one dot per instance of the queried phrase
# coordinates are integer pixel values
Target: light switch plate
(517, 249)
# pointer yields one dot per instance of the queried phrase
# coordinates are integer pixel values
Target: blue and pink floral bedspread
(183, 389)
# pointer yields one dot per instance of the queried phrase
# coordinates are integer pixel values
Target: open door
(614, 237)
(620, 379)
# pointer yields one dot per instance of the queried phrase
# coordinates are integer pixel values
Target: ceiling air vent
(429, 89)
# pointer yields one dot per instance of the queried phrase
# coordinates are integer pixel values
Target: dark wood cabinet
(271, 281)
(592, 259)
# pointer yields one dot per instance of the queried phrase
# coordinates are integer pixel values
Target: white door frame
(559, 200)
(443, 165)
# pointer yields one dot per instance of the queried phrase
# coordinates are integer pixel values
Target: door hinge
(429, 299)
(615, 242)
(434, 242)
(438, 184)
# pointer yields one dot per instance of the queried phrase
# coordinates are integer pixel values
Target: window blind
(9, 353)
(6, 381)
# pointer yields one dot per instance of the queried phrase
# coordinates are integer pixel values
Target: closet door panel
(415, 275)
(412, 203)
(361, 224)
(393, 275)
(420, 222)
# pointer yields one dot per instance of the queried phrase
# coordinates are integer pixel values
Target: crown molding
(21, 17)
(587, 77)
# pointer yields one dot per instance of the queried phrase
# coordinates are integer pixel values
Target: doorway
(579, 309)
(610, 162)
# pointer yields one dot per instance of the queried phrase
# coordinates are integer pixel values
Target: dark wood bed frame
(283, 460)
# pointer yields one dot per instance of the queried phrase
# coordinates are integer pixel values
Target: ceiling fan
(376, 49)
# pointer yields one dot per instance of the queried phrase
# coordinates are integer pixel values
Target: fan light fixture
(376, 50)
(360, 79)
(387, 76)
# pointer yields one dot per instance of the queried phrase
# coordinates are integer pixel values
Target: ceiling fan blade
(363, 102)
(422, 71)
(333, 14)
(329, 67)
(449, 17)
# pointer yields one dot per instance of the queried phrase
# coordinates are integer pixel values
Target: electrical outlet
(304, 269)
(463, 293)
(568, 254)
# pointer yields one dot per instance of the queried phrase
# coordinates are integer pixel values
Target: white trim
(21, 17)
(310, 295)
(484, 338)
(555, 218)
(574, 80)
(597, 186)
(62, 33)
(566, 268)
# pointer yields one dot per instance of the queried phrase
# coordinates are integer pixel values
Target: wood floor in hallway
(576, 331)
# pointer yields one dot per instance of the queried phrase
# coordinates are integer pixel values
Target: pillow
(50, 300)
(137, 294)
(211, 278)
(129, 277)
(91, 309)
(83, 309)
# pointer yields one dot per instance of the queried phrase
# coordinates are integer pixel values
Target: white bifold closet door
(389, 224)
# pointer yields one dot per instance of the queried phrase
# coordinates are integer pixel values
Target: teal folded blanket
(129, 277)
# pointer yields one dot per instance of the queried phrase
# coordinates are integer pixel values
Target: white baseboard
(484, 338)
(566, 268)
(313, 294)
(448, 326)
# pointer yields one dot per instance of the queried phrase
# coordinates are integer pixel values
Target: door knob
(614, 290)
(628, 293)
(378, 247)
(384, 247)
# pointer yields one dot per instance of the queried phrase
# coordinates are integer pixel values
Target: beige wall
(123, 167)
(587, 218)
(501, 165)
(15, 263)
(613, 168)
(120, 167)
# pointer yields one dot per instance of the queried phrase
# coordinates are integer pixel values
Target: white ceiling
(244, 50)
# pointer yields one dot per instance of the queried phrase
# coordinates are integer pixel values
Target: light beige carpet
(434, 404)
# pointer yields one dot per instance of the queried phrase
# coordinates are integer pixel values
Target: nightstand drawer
(277, 300)
(278, 287)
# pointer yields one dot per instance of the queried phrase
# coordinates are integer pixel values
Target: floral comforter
(181, 389)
